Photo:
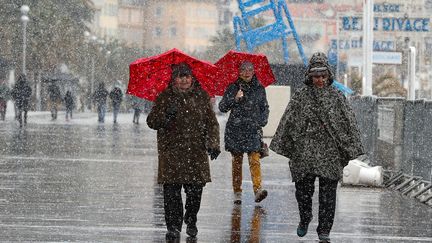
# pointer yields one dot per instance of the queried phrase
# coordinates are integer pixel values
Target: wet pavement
(83, 181)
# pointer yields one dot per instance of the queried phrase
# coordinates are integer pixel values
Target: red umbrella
(229, 68)
(149, 76)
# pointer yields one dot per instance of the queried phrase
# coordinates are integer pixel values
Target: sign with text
(357, 43)
(378, 57)
(382, 57)
(388, 24)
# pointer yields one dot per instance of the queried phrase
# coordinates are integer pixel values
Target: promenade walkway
(87, 182)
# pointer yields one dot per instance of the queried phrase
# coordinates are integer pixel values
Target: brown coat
(183, 141)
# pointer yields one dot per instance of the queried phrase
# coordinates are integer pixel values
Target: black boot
(172, 235)
(192, 230)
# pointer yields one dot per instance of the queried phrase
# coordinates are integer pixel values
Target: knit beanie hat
(180, 70)
(318, 64)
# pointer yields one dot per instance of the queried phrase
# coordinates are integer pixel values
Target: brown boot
(260, 195)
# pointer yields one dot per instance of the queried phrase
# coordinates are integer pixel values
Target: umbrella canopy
(346, 90)
(149, 76)
(229, 68)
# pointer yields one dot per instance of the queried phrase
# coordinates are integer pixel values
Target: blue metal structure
(261, 35)
(277, 30)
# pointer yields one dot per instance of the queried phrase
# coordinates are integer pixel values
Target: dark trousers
(327, 201)
(54, 111)
(20, 116)
(3, 105)
(173, 204)
(136, 115)
(116, 109)
(68, 112)
(101, 112)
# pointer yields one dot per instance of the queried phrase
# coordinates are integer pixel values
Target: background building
(335, 27)
(331, 26)
(106, 23)
(187, 25)
(131, 22)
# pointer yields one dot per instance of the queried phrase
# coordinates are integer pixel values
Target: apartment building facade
(105, 23)
(187, 25)
(162, 24)
(131, 22)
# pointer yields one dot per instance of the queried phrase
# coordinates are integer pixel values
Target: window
(132, 2)
(200, 33)
(110, 10)
(158, 12)
(173, 32)
(157, 32)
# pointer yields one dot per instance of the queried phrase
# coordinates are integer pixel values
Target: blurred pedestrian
(4, 97)
(55, 99)
(319, 134)
(69, 104)
(187, 130)
(247, 101)
(99, 98)
(138, 105)
(21, 94)
(116, 96)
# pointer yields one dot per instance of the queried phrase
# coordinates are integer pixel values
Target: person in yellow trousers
(247, 102)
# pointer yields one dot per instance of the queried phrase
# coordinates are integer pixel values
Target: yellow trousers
(255, 170)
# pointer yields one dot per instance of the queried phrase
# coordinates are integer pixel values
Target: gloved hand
(214, 153)
(171, 112)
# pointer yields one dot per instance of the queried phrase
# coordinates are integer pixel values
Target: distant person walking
(4, 97)
(55, 99)
(100, 98)
(318, 133)
(69, 104)
(187, 130)
(116, 96)
(247, 102)
(138, 105)
(21, 94)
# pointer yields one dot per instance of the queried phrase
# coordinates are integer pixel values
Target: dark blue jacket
(116, 96)
(100, 96)
(21, 93)
(69, 100)
(243, 130)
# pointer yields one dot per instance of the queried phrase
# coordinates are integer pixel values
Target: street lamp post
(24, 19)
(412, 73)
(367, 46)
(92, 75)
(107, 57)
(90, 40)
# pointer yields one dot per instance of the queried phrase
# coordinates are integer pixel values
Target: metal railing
(397, 134)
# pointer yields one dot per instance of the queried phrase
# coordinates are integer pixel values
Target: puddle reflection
(252, 235)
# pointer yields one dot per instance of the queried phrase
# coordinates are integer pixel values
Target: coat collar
(254, 83)
(193, 89)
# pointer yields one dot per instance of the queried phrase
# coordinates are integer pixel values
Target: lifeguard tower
(253, 37)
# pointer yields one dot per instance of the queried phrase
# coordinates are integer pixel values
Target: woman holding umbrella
(319, 134)
(247, 101)
(187, 130)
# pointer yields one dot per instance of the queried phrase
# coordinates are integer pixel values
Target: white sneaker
(237, 198)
